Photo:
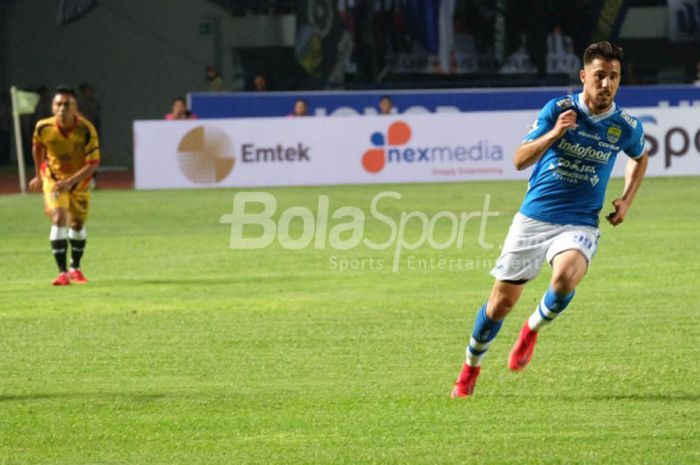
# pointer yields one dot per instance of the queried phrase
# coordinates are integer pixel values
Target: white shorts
(530, 242)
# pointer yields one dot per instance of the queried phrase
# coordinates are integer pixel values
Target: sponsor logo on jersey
(575, 165)
(609, 146)
(631, 121)
(588, 134)
(565, 103)
(581, 151)
(574, 171)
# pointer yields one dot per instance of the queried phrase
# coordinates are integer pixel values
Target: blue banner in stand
(253, 104)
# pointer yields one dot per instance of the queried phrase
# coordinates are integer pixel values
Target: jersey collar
(66, 131)
(592, 116)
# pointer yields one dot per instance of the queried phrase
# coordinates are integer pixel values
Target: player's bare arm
(83, 173)
(530, 152)
(634, 173)
(39, 155)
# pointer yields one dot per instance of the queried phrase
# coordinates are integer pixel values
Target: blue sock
(485, 330)
(551, 305)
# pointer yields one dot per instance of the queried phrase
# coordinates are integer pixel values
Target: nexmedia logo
(399, 134)
(579, 151)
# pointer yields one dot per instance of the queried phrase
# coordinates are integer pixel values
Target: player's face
(601, 79)
(64, 107)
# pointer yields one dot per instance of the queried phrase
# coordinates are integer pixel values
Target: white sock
(58, 232)
(77, 234)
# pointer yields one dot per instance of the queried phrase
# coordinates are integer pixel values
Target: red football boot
(522, 351)
(62, 280)
(465, 382)
(77, 276)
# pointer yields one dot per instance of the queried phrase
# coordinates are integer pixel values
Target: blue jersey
(568, 183)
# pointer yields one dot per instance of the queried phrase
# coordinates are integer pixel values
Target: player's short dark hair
(385, 97)
(64, 90)
(605, 50)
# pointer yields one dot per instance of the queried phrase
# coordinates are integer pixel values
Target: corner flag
(23, 103)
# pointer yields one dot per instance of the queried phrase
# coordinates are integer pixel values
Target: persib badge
(614, 134)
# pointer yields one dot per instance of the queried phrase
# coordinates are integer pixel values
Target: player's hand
(62, 186)
(565, 121)
(35, 184)
(618, 216)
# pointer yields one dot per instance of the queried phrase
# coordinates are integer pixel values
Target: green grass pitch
(184, 351)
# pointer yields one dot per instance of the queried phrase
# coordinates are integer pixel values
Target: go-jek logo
(393, 149)
(399, 133)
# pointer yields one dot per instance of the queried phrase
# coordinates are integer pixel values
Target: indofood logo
(583, 151)
(391, 150)
(206, 155)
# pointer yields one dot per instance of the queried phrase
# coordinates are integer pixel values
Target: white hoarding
(370, 149)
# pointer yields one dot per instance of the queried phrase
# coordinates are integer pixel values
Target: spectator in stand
(216, 83)
(180, 110)
(301, 108)
(89, 107)
(697, 73)
(260, 83)
(386, 106)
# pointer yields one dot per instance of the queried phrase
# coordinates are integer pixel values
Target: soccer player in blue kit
(573, 146)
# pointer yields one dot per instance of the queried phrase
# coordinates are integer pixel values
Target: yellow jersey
(67, 149)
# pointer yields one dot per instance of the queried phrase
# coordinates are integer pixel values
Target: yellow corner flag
(25, 102)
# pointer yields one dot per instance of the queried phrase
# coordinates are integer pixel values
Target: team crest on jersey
(614, 134)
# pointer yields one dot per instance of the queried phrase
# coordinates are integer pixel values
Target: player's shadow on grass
(106, 396)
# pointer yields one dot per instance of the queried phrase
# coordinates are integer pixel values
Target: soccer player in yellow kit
(66, 153)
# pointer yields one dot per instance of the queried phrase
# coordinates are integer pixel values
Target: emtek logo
(390, 150)
(205, 155)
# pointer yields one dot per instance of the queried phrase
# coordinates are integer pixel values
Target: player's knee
(76, 225)
(59, 217)
(565, 280)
